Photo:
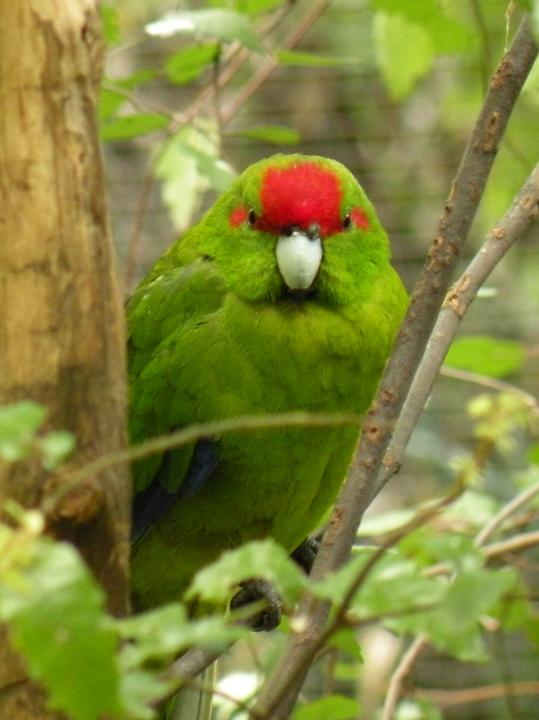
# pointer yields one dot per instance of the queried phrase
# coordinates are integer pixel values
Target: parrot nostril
(313, 231)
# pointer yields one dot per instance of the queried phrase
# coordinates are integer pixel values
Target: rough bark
(61, 327)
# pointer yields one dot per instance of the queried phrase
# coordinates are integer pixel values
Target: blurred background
(392, 94)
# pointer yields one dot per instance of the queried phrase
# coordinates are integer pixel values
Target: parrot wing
(162, 315)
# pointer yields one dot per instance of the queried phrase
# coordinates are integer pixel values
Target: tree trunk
(61, 320)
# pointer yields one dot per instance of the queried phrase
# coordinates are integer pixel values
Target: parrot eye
(347, 221)
(251, 218)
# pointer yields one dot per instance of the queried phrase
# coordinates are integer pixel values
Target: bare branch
(403, 670)
(260, 77)
(488, 382)
(427, 298)
(517, 543)
(481, 693)
(515, 504)
(502, 236)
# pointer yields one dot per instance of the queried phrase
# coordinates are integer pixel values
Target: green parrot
(281, 298)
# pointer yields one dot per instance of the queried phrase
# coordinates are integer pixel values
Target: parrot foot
(304, 555)
(254, 591)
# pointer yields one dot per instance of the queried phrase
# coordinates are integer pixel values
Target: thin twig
(517, 543)
(502, 236)
(192, 433)
(427, 298)
(398, 678)
(507, 510)
(449, 698)
(143, 105)
(269, 65)
(494, 551)
(234, 59)
(489, 382)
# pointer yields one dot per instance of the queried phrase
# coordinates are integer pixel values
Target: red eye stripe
(359, 218)
(238, 216)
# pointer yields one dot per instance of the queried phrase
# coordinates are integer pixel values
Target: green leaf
(109, 24)
(55, 611)
(186, 65)
(56, 447)
(307, 59)
(516, 612)
(19, 424)
(130, 126)
(397, 583)
(495, 357)
(473, 508)
(111, 100)
(453, 625)
(263, 559)
(346, 641)
(139, 690)
(404, 52)
(272, 134)
(221, 25)
(188, 164)
(161, 634)
(218, 173)
(135, 79)
(334, 586)
(109, 103)
(446, 35)
(332, 707)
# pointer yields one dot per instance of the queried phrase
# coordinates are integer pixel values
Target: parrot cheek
(298, 259)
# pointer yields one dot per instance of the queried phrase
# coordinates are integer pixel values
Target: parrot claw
(305, 553)
(253, 591)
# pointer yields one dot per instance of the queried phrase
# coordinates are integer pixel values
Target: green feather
(214, 334)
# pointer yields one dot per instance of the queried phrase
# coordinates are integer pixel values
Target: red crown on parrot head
(300, 195)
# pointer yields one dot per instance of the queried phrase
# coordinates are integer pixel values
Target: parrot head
(293, 227)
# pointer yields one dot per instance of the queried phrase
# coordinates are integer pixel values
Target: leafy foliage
(256, 559)
(187, 65)
(20, 436)
(56, 616)
(435, 582)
